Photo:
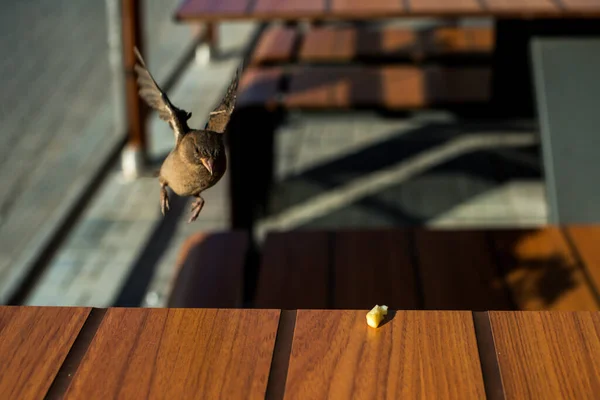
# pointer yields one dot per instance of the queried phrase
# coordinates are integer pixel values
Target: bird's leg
(164, 198)
(196, 208)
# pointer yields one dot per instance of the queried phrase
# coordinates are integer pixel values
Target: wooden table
(306, 354)
(208, 10)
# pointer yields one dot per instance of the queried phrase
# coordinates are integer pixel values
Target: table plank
(259, 87)
(581, 5)
(288, 8)
(374, 267)
(445, 7)
(586, 239)
(178, 353)
(522, 6)
(458, 271)
(541, 271)
(275, 45)
(396, 87)
(214, 8)
(270, 10)
(548, 355)
(367, 9)
(294, 271)
(34, 342)
(336, 355)
(342, 44)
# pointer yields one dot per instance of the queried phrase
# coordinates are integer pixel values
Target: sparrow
(198, 160)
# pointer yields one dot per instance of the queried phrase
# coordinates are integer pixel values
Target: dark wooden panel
(586, 240)
(211, 271)
(374, 267)
(454, 85)
(275, 45)
(178, 353)
(541, 271)
(367, 9)
(294, 271)
(413, 355)
(548, 355)
(191, 9)
(259, 87)
(458, 271)
(389, 87)
(289, 8)
(432, 7)
(34, 342)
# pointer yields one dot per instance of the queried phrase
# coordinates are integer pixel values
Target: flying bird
(198, 160)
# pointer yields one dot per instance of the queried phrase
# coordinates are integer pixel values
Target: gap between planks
(281, 355)
(68, 369)
(490, 367)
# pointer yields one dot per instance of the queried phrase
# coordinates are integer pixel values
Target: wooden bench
(284, 44)
(526, 269)
(210, 271)
(389, 87)
(291, 69)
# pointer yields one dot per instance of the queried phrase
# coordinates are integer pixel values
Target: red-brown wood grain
(414, 355)
(548, 355)
(178, 353)
(34, 342)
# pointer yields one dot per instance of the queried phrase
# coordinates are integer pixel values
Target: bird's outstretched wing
(219, 117)
(158, 100)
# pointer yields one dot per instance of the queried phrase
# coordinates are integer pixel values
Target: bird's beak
(208, 164)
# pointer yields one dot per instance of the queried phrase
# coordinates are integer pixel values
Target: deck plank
(34, 342)
(178, 353)
(336, 355)
(548, 355)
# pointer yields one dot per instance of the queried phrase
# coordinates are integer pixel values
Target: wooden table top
(211, 10)
(306, 354)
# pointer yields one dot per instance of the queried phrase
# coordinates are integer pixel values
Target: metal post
(134, 154)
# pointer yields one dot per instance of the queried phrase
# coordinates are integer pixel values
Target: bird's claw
(164, 201)
(196, 208)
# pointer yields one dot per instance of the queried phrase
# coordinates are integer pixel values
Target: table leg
(208, 49)
(135, 153)
(567, 87)
(512, 78)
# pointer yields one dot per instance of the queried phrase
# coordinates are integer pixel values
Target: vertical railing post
(135, 152)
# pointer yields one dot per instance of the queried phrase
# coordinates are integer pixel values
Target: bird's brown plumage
(198, 160)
